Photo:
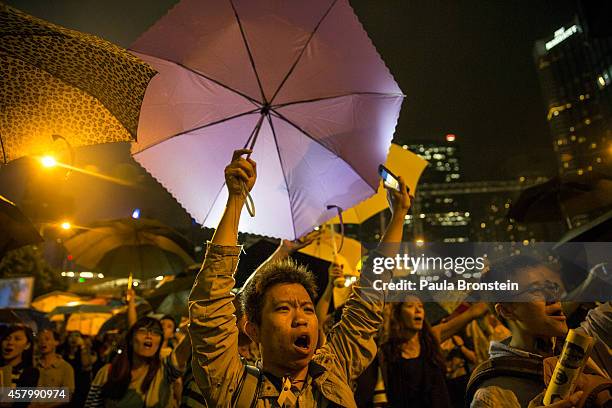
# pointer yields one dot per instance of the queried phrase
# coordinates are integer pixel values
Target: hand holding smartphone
(389, 179)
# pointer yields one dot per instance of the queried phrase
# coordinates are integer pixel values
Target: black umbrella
(16, 230)
(169, 295)
(30, 317)
(560, 198)
(142, 247)
(261, 250)
(119, 321)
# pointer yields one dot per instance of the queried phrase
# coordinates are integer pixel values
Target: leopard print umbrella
(56, 81)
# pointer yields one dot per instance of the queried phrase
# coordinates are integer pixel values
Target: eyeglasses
(152, 331)
(546, 290)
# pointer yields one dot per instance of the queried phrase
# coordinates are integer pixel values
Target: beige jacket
(217, 367)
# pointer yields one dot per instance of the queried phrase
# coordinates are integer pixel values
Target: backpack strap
(519, 367)
(248, 389)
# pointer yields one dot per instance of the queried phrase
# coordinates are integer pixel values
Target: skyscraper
(575, 74)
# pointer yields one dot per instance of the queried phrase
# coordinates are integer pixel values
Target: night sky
(466, 68)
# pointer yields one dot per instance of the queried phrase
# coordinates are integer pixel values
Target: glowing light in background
(136, 213)
(66, 225)
(48, 161)
(450, 137)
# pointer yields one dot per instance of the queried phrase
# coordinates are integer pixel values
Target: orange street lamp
(66, 225)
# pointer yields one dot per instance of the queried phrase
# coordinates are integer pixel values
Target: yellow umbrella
(326, 245)
(49, 301)
(88, 324)
(401, 162)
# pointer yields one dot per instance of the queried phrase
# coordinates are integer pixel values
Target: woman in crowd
(17, 359)
(411, 359)
(412, 364)
(138, 377)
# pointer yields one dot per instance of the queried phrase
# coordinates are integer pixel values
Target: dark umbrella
(16, 230)
(81, 309)
(30, 317)
(119, 321)
(57, 81)
(141, 247)
(175, 304)
(261, 250)
(171, 297)
(598, 230)
(181, 282)
(560, 198)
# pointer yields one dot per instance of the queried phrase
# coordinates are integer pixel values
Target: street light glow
(48, 161)
(65, 225)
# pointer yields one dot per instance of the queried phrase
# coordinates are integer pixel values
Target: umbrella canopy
(82, 309)
(299, 81)
(324, 248)
(181, 282)
(598, 230)
(60, 81)
(257, 253)
(562, 197)
(49, 301)
(16, 230)
(119, 321)
(401, 162)
(145, 248)
(175, 304)
(32, 318)
(88, 324)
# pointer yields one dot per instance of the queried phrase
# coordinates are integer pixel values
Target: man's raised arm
(216, 364)
(352, 342)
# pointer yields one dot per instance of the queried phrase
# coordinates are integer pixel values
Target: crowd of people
(276, 343)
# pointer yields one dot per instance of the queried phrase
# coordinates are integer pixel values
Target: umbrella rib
(280, 116)
(246, 44)
(221, 84)
(280, 159)
(3, 150)
(324, 98)
(200, 128)
(299, 57)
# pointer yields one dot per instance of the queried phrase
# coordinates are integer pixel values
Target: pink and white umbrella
(299, 79)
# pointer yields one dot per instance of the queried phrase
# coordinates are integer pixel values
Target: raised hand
(240, 170)
(400, 201)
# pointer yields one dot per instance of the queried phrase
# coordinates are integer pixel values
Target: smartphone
(389, 179)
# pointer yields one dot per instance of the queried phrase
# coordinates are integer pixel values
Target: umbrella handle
(250, 204)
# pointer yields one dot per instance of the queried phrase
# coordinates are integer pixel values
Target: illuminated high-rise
(575, 74)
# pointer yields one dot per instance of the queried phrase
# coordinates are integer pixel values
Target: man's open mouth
(148, 344)
(302, 343)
